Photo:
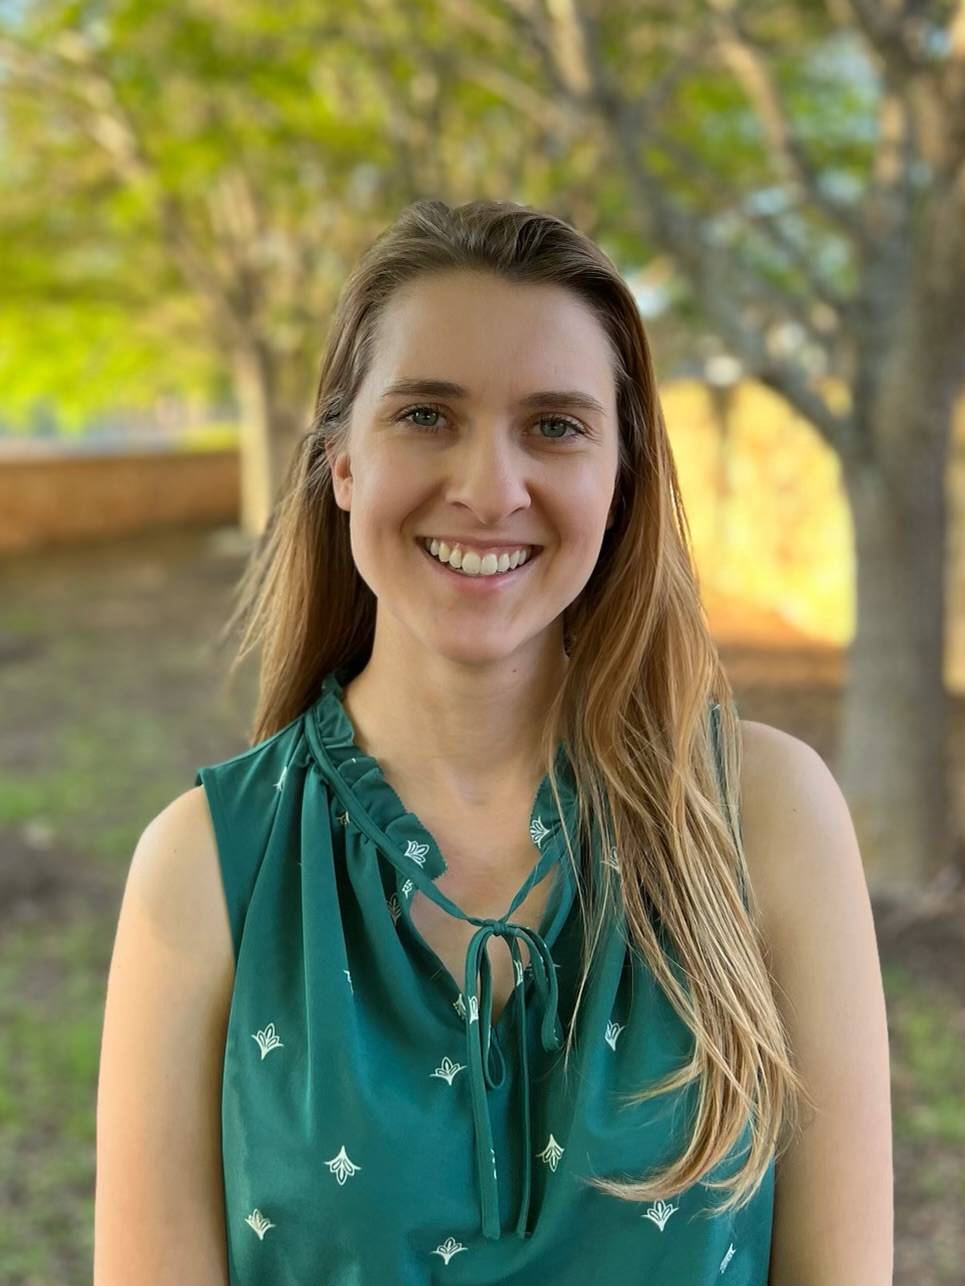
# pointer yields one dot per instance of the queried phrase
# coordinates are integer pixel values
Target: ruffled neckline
(364, 786)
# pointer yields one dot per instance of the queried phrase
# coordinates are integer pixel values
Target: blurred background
(183, 189)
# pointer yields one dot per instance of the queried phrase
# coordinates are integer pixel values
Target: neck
(471, 735)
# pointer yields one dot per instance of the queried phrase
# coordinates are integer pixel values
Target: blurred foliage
(216, 436)
(80, 362)
(180, 183)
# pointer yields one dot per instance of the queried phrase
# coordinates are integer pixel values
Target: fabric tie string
(480, 1047)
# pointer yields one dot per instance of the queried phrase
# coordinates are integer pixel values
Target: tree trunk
(895, 748)
(892, 751)
(269, 431)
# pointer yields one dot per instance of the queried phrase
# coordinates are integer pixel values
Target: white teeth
(470, 563)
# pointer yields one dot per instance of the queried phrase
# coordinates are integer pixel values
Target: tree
(229, 156)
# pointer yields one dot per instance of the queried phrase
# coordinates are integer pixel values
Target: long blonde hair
(632, 711)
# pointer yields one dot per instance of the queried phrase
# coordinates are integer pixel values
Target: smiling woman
(499, 1005)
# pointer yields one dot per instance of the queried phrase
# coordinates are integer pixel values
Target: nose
(489, 474)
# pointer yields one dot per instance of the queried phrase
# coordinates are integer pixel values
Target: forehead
(485, 332)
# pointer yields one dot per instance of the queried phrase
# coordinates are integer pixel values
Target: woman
(463, 971)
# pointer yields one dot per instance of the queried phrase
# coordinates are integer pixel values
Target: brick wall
(50, 495)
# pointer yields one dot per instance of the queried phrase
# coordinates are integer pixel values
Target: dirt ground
(109, 672)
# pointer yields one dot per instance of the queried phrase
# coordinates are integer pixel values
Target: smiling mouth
(496, 576)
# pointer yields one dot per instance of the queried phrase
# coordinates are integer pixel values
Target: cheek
(580, 510)
(404, 470)
(385, 497)
(385, 492)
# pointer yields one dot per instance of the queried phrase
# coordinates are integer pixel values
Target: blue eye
(436, 410)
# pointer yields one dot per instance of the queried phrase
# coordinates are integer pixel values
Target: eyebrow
(572, 398)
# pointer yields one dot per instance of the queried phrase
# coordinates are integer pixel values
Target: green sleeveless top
(377, 1126)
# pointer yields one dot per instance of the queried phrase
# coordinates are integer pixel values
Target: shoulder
(178, 836)
(794, 820)
(174, 878)
(774, 759)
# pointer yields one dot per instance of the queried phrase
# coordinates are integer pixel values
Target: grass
(51, 1008)
(927, 1029)
(102, 744)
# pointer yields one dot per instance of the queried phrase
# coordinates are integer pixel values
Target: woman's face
(483, 464)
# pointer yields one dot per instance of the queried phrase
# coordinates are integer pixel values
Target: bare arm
(159, 1203)
(834, 1188)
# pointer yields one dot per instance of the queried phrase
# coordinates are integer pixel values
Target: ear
(340, 469)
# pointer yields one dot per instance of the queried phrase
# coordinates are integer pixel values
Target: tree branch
(111, 126)
(715, 278)
(953, 85)
(550, 113)
(736, 205)
(739, 52)
(885, 32)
